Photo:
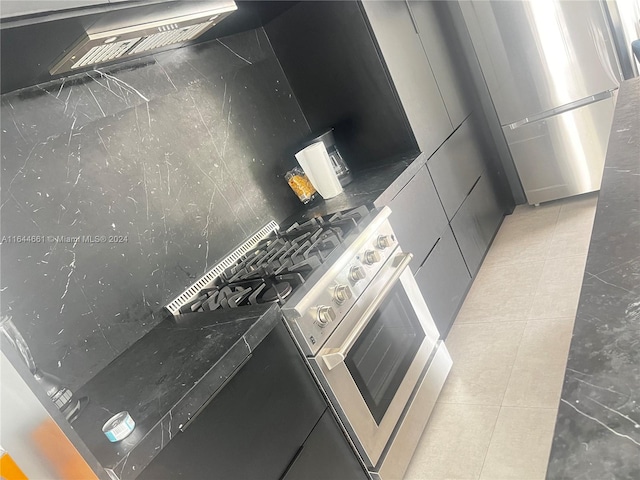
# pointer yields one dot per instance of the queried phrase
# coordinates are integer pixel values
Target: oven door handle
(335, 356)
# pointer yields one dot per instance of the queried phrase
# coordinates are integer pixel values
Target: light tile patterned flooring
(495, 417)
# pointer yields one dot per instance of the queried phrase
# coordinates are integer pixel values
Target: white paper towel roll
(316, 163)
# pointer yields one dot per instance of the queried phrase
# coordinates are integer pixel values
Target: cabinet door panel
(326, 455)
(255, 424)
(456, 167)
(417, 217)
(476, 223)
(410, 71)
(434, 23)
(443, 281)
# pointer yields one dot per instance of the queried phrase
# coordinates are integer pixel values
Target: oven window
(381, 356)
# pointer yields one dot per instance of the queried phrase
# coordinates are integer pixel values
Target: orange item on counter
(300, 184)
(54, 445)
(9, 470)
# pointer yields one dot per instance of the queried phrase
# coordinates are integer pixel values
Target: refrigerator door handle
(564, 108)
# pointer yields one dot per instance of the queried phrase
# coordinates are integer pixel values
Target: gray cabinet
(397, 38)
(362, 68)
(456, 167)
(325, 455)
(254, 426)
(476, 222)
(436, 29)
(443, 280)
(417, 217)
(446, 254)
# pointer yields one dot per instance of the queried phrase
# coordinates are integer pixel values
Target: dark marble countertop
(375, 185)
(597, 434)
(165, 378)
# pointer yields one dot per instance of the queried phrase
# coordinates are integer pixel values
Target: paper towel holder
(316, 163)
(339, 164)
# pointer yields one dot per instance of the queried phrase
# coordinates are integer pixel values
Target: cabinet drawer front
(476, 223)
(443, 281)
(417, 217)
(456, 167)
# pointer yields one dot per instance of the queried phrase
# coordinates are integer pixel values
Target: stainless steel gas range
(356, 313)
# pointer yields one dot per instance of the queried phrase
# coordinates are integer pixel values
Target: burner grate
(209, 278)
(277, 263)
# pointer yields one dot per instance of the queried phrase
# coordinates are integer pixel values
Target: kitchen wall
(170, 162)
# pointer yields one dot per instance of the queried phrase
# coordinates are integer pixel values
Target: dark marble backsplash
(166, 163)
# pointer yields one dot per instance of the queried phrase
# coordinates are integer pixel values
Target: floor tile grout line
(546, 260)
(529, 408)
(575, 255)
(472, 294)
(511, 263)
(512, 365)
(573, 315)
(498, 265)
(491, 321)
(541, 319)
(550, 239)
(497, 323)
(581, 199)
(493, 430)
(491, 405)
(555, 225)
(555, 228)
(515, 358)
(502, 404)
(538, 283)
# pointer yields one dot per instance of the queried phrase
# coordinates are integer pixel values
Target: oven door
(374, 360)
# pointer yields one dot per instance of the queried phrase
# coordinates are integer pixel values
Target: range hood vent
(137, 38)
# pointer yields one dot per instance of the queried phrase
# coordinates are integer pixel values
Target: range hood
(38, 38)
(142, 35)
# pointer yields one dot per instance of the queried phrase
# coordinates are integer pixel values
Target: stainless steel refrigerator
(552, 72)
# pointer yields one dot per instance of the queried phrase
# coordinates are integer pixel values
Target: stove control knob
(384, 241)
(357, 273)
(325, 315)
(341, 294)
(371, 257)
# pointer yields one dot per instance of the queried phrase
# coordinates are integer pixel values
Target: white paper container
(316, 163)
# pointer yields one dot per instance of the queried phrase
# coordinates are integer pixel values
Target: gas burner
(277, 292)
(266, 289)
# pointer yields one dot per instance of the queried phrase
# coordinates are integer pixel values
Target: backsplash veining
(129, 183)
